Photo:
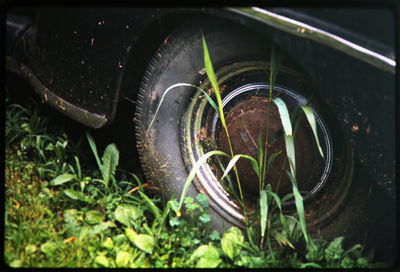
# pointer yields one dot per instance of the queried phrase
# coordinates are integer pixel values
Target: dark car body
(84, 60)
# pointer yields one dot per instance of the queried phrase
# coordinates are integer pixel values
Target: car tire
(167, 149)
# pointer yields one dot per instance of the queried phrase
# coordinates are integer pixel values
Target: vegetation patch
(61, 211)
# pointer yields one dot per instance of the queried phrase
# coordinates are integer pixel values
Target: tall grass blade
(260, 152)
(272, 159)
(287, 127)
(263, 212)
(284, 114)
(110, 161)
(194, 170)
(275, 62)
(210, 71)
(94, 149)
(155, 210)
(282, 239)
(214, 83)
(311, 120)
(299, 207)
(78, 168)
(209, 99)
(279, 204)
(234, 160)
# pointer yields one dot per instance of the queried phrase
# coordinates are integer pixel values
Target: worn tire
(180, 60)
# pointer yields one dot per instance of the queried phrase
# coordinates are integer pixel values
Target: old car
(84, 61)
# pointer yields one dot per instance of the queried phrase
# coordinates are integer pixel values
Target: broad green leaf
(203, 200)
(347, 262)
(231, 242)
(108, 243)
(193, 172)
(110, 161)
(144, 242)
(207, 256)
(102, 226)
(30, 249)
(119, 239)
(48, 248)
(94, 217)
(102, 260)
(61, 179)
(209, 99)
(123, 258)
(334, 250)
(77, 195)
(235, 158)
(130, 233)
(125, 213)
(16, 263)
(94, 149)
(208, 262)
(311, 120)
(71, 220)
(263, 211)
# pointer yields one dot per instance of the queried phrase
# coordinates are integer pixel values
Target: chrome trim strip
(307, 31)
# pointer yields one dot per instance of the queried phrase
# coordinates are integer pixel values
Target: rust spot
(245, 121)
(60, 103)
(354, 128)
(69, 240)
(201, 136)
(301, 30)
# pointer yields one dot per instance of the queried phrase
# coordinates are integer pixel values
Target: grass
(62, 211)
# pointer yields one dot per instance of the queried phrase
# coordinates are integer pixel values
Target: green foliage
(206, 256)
(231, 242)
(61, 212)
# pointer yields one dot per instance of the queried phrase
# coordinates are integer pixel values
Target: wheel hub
(246, 122)
(248, 112)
